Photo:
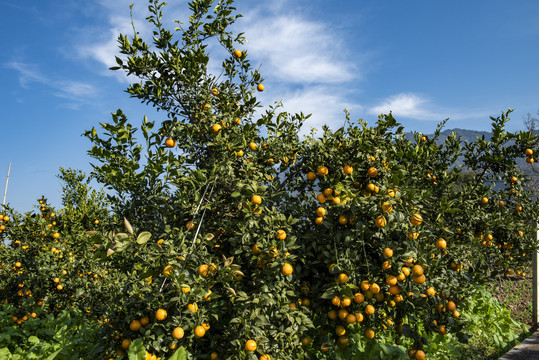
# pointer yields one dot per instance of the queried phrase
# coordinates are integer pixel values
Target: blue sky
(424, 60)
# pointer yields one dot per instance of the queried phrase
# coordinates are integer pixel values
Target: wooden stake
(7, 179)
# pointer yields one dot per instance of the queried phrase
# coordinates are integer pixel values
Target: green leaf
(143, 237)
(137, 350)
(53, 355)
(33, 339)
(180, 354)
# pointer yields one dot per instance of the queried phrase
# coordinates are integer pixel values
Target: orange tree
(241, 241)
(47, 255)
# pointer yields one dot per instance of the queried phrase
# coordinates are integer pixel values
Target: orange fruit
(388, 253)
(200, 331)
(419, 279)
(340, 330)
(59, 287)
(416, 219)
(193, 307)
(170, 142)
(391, 280)
(451, 306)
(161, 314)
(237, 53)
(372, 172)
(417, 270)
(168, 270)
(203, 270)
(250, 345)
(287, 269)
(178, 333)
(529, 152)
(125, 344)
(311, 176)
(321, 211)
(216, 128)
(348, 169)
(135, 325)
(343, 220)
(386, 207)
(369, 333)
(530, 160)
(419, 355)
(144, 320)
(336, 301)
(256, 199)
(441, 244)
(369, 309)
(484, 200)
(342, 278)
(281, 235)
(190, 225)
(260, 87)
(380, 222)
(322, 170)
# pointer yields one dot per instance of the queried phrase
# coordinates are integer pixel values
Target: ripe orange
(170, 142)
(256, 199)
(250, 345)
(264, 357)
(484, 200)
(417, 270)
(144, 320)
(322, 171)
(348, 169)
(214, 92)
(135, 325)
(125, 344)
(369, 333)
(59, 287)
(203, 270)
(190, 225)
(178, 333)
(451, 306)
(419, 355)
(372, 172)
(342, 279)
(343, 220)
(391, 280)
(412, 235)
(192, 307)
(530, 160)
(281, 235)
(260, 87)
(375, 288)
(200, 331)
(416, 219)
(529, 152)
(388, 253)
(238, 53)
(419, 279)
(387, 207)
(168, 270)
(311, 176)
(380, 222)
(369, 309)
(287, 269)
(216, 128)
(161, 314)
(340, 330)
(441, 244)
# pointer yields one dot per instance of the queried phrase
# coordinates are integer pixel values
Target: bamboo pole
(7, 180)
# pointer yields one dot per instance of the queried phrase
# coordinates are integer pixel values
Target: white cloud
(75, 91)
(325, 106)
(407, 105)
(297, 50)
(27, 73)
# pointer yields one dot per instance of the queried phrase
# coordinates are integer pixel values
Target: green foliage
(238, 230)
(67, 336)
